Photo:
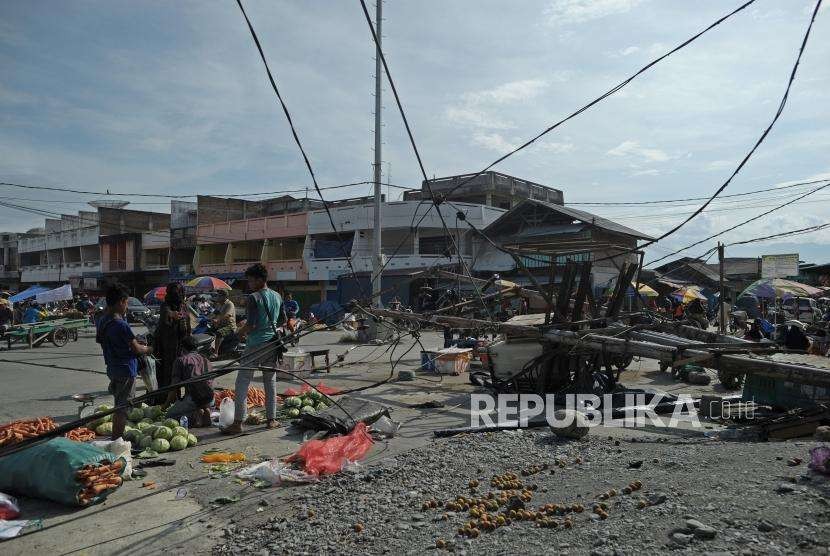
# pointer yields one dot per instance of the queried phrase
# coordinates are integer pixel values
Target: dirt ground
(182, 513)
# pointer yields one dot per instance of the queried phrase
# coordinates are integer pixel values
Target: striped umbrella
(207, 283)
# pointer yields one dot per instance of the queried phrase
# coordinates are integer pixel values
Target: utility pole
(722, 306)
(377, 258)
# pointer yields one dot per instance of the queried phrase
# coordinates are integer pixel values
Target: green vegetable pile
(307, 402)
(147, 429)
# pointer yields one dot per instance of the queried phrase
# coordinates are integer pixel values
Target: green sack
(48, 470)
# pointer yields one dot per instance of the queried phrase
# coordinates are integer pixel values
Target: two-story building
(67, 252)
(233, 234)
(535, 221)
(135, 248)
(10, 259)
(406, 252)
(183, 224)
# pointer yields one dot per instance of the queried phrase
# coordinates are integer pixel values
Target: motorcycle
(205, 332)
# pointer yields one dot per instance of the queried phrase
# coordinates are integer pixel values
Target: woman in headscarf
(173, 327)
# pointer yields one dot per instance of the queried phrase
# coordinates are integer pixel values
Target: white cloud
(493, 142)
(565, 12)
(649, 172)
(716, 165)
(556, 148)
(630, 50)
(475, 117)
(513, 91)
(633, 149)
(478, 108)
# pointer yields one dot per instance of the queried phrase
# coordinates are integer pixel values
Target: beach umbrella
(207, 283)
(770, 288)
(156, 295)
(687, 294)
(647, 291)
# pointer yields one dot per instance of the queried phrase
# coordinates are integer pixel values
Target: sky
(171, 97)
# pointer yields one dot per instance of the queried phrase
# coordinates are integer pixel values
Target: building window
(543, 260)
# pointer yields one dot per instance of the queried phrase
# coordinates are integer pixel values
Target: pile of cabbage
(147, 429)
(307, 402)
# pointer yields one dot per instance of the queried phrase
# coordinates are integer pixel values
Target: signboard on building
(779, 266)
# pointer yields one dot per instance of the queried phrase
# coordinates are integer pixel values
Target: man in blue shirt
(120, 349)
(32, 314)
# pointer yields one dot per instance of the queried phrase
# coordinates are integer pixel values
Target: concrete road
(180, 513)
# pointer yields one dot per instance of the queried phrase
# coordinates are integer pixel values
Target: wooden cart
(59, 332)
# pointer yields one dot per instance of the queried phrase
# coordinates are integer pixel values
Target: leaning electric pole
(377, 255)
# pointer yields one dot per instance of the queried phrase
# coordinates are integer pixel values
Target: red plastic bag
(325, 457)
(322, 388)
(9, 508)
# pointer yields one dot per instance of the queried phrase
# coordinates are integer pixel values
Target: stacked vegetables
(97, 479)
(306, 402)
(147, 431)
(256, 396)
(23, 429)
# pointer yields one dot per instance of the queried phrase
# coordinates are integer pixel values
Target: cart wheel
(731, 381)
(74, 333)
(623, 362)
(59, 337)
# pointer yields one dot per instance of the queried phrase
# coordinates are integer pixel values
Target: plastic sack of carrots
(256, 396)
(23, 429)
(63, 471)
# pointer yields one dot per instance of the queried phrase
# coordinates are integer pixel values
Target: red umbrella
(156, 295)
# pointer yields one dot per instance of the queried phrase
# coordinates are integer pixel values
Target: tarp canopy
(28, 294)
(62, 293)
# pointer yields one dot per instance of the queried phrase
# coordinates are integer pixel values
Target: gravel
(697, 496)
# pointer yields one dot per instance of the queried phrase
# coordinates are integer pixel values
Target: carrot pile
(81, 434)
(223, 457)
(256, 396)
(97, 479)
(20, 430)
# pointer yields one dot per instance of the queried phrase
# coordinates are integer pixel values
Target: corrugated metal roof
(582, 216)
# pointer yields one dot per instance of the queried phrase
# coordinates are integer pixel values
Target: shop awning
(28, 294)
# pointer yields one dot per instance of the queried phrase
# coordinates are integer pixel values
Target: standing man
(120, 350)
(264, 307)
(225, 319)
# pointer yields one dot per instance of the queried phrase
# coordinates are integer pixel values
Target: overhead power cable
(800, 231)
(300, 145)
(667, 201)
(738, 225)
(754, 148)
(108, 193)
(602, 97)
(435, 202)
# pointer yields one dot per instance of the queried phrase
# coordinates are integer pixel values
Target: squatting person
(198, 396)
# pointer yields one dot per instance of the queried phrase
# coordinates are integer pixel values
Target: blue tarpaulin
(28, 294)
